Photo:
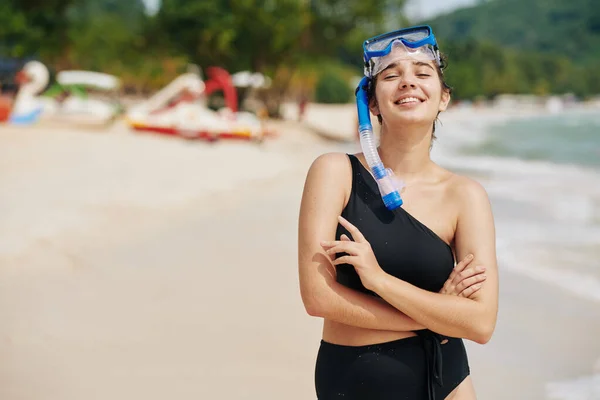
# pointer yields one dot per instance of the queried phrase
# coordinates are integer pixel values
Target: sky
(421, 9)
(416, 9)
(152, 5)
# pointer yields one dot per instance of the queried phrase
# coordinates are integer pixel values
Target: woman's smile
(408, 101)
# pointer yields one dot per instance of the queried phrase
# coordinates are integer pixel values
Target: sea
(542, 173)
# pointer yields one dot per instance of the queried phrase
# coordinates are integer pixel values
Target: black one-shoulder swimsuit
(410, 368)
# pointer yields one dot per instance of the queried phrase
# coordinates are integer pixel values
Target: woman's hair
(445, 87)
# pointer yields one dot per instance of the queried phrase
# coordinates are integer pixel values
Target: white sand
(58, 179)
(123, 273)
(146, 267)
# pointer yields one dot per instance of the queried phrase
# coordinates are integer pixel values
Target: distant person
(400, 277)
(302, 103)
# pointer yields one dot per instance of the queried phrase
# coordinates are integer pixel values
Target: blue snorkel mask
(417, 42)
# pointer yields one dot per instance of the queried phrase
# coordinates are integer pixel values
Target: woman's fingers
(467, 273)
(330, 243)
(468, 292)
(460, 266)
(463, 263)
(467, 283)
(356, 235)
(465, 279)
(340, 247)
(343, 260)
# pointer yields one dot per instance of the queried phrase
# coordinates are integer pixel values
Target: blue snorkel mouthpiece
(390, 193)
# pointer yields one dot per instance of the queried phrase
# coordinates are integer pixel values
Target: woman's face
(409, 91)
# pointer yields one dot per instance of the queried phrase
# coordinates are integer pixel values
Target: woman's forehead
(404, 63)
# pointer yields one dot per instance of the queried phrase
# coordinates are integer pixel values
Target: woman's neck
(406, 151)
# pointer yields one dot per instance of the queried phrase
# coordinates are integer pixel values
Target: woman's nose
(406, 82)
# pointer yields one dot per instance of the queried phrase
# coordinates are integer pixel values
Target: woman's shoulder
(463, 189)
(329, 178)
(334, 163)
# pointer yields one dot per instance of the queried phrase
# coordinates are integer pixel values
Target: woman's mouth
(408, 101)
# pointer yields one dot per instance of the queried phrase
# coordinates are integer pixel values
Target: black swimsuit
(410, 368)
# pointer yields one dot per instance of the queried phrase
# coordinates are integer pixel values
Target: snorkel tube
(390, 193)
(417, 42)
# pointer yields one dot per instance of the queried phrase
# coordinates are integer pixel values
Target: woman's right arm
(323, 200)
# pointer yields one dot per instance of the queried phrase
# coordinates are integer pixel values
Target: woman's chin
(409, 118)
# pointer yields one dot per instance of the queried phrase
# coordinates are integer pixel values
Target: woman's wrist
(378, 282)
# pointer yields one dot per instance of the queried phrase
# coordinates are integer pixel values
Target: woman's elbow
(316, 296)
(313, 308)
(313, 304)
(482, 332)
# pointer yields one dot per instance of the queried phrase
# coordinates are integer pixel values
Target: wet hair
(444, 84)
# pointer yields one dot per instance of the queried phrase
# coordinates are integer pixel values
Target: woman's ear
(444, 100)
(374, 107)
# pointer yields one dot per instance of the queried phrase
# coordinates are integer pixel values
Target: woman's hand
(464, 280)
(360, 255)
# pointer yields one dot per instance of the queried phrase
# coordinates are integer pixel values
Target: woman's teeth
(408, 100)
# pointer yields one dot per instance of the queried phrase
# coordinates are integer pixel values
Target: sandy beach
(137, 266)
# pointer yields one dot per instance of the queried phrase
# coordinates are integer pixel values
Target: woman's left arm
(470, 318)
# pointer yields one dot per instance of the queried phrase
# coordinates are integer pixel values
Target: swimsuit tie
(432, 343)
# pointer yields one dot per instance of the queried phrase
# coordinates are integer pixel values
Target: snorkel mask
(416, 43)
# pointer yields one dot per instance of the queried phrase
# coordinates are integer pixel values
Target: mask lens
(409, 36)
(398, 52)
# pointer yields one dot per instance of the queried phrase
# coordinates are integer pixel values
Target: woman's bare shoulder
(328, 184)
(331, 166)
(464, 190)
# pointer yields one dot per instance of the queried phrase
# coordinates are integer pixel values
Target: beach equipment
(86, 96)
(179, 110)
(379, 52)
(68, 100)
(32, 80)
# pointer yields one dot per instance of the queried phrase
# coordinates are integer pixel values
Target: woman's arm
(324, 197)
(472, 318)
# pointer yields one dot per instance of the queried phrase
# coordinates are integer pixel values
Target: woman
(395, 306)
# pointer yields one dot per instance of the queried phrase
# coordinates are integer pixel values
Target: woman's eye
(423, 75)
(391, 76)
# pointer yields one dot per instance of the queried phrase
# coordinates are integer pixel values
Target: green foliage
(522, 46)
(557, 27)
(339, 27)
(237, 34)
(29, 27)
(482, 68)
(332, 88)
(499, 46)
(13, 29)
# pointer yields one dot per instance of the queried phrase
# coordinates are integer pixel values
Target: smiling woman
(434, 69)
(382, 274)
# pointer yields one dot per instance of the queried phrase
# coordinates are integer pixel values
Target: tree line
(295, 42)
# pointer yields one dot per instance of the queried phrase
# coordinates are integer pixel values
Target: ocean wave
(547, 213)
(566, 192)
(582, 388)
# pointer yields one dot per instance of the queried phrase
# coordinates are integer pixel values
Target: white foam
(567, 192)
(582, 388)
(560, 209)
(579, 284)
(547, 218)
